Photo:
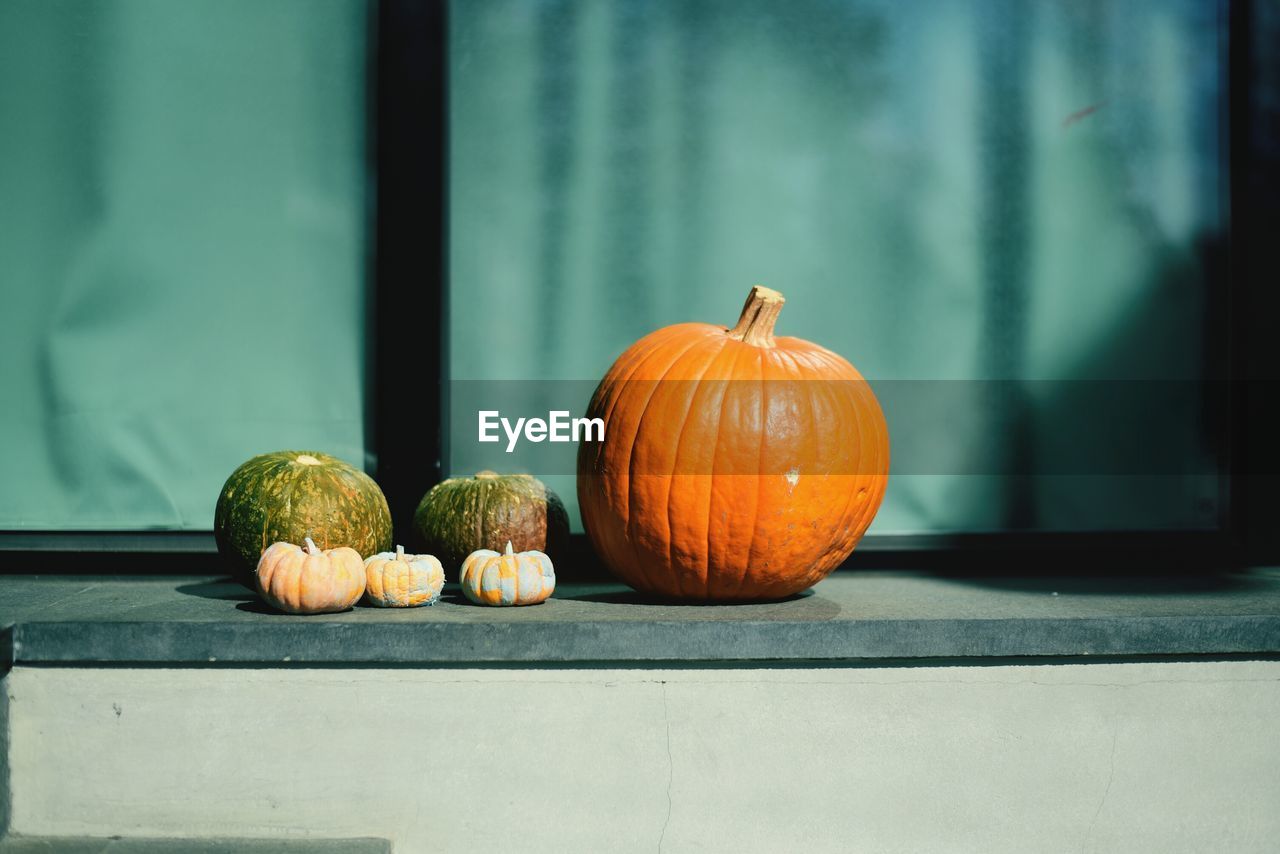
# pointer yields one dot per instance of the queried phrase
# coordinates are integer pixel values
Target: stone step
(217, 845)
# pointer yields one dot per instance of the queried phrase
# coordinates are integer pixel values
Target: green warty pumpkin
(465, 514)
(288, 496)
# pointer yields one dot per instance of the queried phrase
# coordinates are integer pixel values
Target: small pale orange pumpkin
(398, 580)
(313, 581)
(489, 578)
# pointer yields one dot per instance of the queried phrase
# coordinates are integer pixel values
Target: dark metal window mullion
(408, 329)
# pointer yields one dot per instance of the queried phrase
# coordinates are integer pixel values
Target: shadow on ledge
(254, 605)
(225, 590)
(1123, 585)
(633, 597)
(1098, 562)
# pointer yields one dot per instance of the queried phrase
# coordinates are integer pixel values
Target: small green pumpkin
(292, 495)
(466, 514)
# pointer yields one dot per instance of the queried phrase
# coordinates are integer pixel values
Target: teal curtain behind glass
(182, 196)
(992, 189)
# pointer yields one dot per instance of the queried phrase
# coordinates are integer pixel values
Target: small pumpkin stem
(311, 547)
(759, 314)
(399, 552)
(486, 475)
(510, 551)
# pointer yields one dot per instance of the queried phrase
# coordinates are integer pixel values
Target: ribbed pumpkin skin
(490, 578)
(290, 495)
(397, 580)
(464, 514)
(311, 580)
(731, 470)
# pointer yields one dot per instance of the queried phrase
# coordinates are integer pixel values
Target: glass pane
(958, 197)
(182, 247)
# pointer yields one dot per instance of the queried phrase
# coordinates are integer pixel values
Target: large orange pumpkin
(734, 465)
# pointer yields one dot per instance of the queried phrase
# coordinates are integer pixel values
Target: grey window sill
(861, 615)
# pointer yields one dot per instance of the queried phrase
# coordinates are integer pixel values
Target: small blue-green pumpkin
(524, 578)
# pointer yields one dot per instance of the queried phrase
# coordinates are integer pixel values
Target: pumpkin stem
(399, 552)
(486, 475)
(311, 547)
(759, 314)
(509, 549)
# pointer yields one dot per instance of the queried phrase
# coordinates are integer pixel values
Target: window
(1004, 214)
(1015, 219)
(182, 246)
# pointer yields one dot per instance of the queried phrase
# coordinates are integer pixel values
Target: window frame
(408, 154)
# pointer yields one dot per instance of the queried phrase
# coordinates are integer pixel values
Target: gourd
(735, 465)
(289, 495)
(310, 581)
(463, 514)
(398, 580)
(490, 578)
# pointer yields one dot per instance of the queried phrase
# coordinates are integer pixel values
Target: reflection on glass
(983, 190)
(181, 251)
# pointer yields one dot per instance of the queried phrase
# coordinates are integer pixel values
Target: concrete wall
(1105, 757)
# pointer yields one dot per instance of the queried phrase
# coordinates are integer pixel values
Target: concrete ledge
(120, 845)
(1167, 757)
(55, 620)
